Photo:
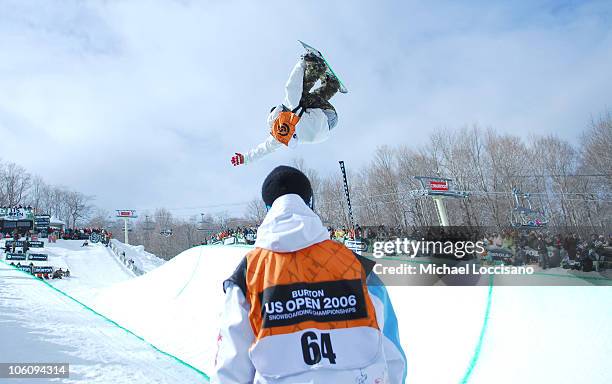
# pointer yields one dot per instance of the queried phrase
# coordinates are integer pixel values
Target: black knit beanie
(284, 180)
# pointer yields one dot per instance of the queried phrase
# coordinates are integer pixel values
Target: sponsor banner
(499, 253)
(95, 238)
(43, 220)
(45, 269)
(14, 224)
(8, 225)
(37, 257)
(15, 256)
(327, 301)
(25, 268)
(356, 246)
(18, 243)
(126, 213)
(16, 213)
(36, 244)
(438, 185)
(25, 224)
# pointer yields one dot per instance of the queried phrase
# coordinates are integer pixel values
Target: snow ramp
(92, 268)
(39, 323)
(176, 306)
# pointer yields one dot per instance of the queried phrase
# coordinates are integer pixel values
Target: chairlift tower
(126, 215)
(149, 225)
(439, 188)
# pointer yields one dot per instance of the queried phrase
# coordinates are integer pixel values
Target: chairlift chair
(166, 232)
(203, 225)
(523, 214)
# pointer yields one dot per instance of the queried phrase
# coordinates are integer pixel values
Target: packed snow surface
(37, 324)
(501, 335)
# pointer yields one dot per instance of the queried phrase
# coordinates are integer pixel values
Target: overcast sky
(142, 103)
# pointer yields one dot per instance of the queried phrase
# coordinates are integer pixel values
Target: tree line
(20, 188)
(571, 182)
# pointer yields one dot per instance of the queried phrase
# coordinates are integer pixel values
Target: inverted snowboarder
(306, 115)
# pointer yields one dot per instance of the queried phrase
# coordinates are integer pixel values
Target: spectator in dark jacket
(570, 244)
(542, 251)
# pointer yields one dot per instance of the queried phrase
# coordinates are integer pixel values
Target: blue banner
(37, 257)
(25, 268)
(42, 270)
(42, 220)
(15, 256)
(17, 243)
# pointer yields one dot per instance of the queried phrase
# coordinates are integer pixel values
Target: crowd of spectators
(241, 234)
(343, 233)
(518, 246)
(85, 234)
(550, 250)
(81, 233)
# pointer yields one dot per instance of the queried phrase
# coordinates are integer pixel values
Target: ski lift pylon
(148, 225)
(439, 188)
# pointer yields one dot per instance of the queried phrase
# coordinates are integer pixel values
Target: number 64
(313, 351)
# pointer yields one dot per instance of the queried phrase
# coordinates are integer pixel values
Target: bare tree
(596, 144)
(255, 211)
(78, 206)
(15, 183)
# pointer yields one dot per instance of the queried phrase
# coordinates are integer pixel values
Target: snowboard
(316, 52)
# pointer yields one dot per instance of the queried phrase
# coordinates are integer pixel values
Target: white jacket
(290, 226)
(313, 127)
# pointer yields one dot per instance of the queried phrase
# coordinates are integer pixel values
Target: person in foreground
(301, 308)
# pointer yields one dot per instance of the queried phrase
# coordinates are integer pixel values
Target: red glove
(238, 159)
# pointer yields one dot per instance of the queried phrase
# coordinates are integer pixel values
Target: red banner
(438, 185)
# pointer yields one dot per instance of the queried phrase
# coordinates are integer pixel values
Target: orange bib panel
(322, 287)
(283, 128)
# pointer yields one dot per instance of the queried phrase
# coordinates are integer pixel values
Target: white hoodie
(289, 226)
(314, 125)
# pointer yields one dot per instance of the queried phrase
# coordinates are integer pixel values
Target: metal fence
(119, 251)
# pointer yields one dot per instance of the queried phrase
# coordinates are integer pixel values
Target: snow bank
(143, 260)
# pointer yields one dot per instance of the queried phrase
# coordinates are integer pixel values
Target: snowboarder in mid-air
(306, 115)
